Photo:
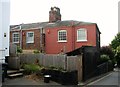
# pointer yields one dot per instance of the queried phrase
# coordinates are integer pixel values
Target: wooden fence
(72, 62)
(59, 61)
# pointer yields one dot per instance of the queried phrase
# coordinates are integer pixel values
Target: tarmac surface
(26, 81)
(110, 79)
(22, 81)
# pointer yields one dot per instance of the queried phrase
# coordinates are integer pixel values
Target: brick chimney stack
(54, 14)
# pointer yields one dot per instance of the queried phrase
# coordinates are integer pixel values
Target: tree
(116, 41)
(108, 51)
(115, 44)
(117, 55)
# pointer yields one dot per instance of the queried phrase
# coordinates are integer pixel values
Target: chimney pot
(54, 14)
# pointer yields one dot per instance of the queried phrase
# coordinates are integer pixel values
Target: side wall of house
(98, 37)
(52, 45)
(91, 36)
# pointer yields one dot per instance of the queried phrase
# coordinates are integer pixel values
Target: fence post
(107, 66)
(65, 65)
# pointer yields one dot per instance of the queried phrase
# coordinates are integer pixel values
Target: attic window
(62, 36)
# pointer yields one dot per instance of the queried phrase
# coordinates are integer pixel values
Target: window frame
(82, 40)
(59, 36)
(13, 38)
(29, 37)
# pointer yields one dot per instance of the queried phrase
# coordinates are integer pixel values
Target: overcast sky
(102, 12)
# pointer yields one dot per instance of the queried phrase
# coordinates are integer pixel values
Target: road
(110, 79)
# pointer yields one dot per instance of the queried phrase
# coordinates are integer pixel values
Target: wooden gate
(75, 63)
(79, 67)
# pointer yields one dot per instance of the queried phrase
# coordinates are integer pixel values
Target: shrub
(31, 68)
(108, 51)
(51, 67)
(61, 69)
(36, 51)
(19, 50)
(104, 58)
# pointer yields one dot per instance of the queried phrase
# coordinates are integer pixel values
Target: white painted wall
(0, 24)
(4, 28)
(119, 16)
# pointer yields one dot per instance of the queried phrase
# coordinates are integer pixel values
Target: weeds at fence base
(34, 76)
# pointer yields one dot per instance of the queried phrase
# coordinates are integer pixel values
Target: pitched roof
(29, 25)
(62, 23)
(47, 24)
(81, 50)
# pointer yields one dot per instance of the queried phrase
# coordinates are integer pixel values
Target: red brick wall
(54, 47)
(91, 36)
(11, 37)
(36, 44)
(29, 46)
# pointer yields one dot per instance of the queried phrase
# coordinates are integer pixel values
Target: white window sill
(15, 42)
(81, 40)
(62, 41)
(29, 42)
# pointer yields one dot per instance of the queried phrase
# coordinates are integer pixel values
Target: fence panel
(47, 60)
(22, 58)
(72, 62)
(59, 61)
(102, 68)
(54, 60)
(40, 57)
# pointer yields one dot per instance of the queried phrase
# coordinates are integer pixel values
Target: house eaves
(28, 26)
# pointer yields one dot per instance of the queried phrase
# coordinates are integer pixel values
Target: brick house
(28, 36)
(55, 36)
